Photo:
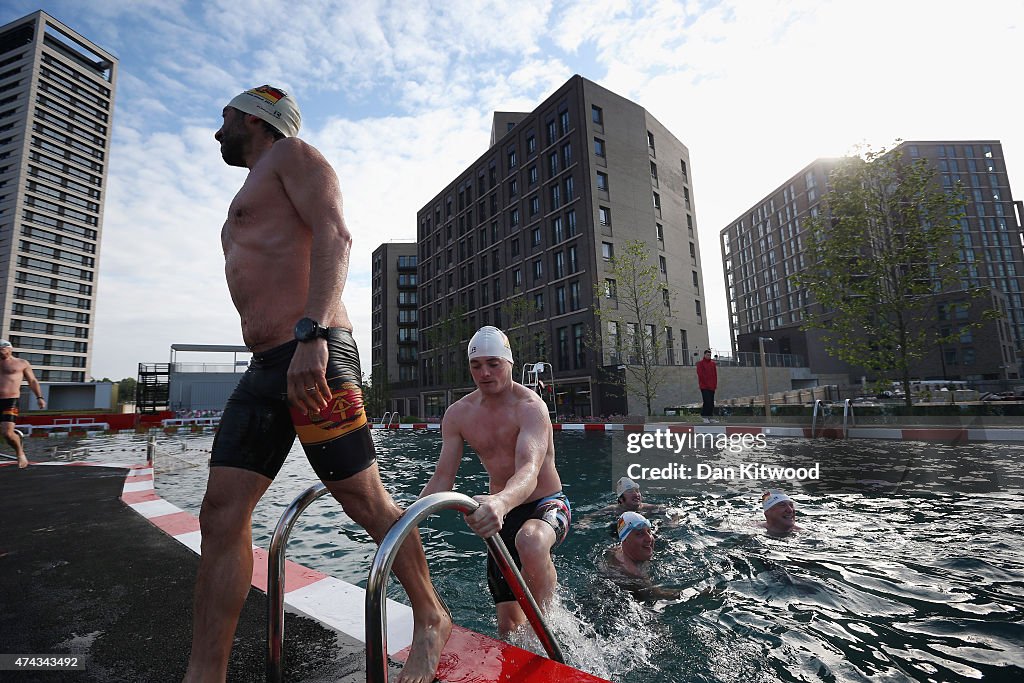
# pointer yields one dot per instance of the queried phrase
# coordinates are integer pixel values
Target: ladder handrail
(814, 415)
(275, 579)
(397, 419)
(847, 409)
(376, 616)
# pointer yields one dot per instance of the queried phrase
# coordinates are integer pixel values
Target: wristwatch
(308, 329)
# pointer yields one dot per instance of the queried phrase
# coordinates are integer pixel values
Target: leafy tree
(634, 301)
(526, 334)
(126, 390)
(377, 392)
(447, 335)
(881, 252)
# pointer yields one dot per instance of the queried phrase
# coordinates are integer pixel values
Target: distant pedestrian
(12, 372)
(707, 379)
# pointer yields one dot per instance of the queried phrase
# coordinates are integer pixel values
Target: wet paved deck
(82, 574)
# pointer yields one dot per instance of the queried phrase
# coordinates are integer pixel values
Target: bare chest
(260, 215)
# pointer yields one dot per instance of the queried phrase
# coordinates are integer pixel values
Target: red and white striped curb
(468, 656)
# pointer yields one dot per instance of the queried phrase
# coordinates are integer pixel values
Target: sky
(399, 97)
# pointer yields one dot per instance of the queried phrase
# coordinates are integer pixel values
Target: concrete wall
(201, 390)
(680, 386)
(69, 396)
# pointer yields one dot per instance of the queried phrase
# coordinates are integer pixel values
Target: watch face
(305, 329)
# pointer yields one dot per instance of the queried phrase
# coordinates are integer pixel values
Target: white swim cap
(490, 341)
(624, 484)
(630, 521)
(4, 343)
(273, 105)
(773, 497)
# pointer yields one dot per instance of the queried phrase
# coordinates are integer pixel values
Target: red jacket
(707, 374)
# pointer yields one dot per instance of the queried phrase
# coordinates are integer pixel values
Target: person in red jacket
(707, 378)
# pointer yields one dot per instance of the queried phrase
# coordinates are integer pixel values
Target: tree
(882, 251)
(446, 337)
(377, 394)
(126, 390)
(634, 295)
(527, 336)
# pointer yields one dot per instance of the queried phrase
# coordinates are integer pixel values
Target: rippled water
(909, 565)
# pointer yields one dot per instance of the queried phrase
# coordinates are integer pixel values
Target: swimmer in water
(779, 513)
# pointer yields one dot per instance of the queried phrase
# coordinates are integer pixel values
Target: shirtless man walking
(12, 372)
(286, 252)
(508, 426)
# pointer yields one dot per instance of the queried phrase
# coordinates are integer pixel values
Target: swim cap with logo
(773, 497)
(629, 522)
(273, 105)
(490, 341)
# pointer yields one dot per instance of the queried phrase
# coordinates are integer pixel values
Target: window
(513, 188)
(552, 164)
(538, 269)
(552, 131)
(665, 298)
(693, 253)
(696, 281)
(570, 219)
(557, 230)
(696, 307)
(531, 144)
(570, 189)
(573, 262)
(574, 296)
(566, 155)
(654, 173)
(535, 237)
(563, 348)
(559, 300)
(538, 302)
(607, 251)
(517, 279)
(559, 264)
(596, 114)
(534, 205)
(579, 359)
(659, 230)
(556, 196)
(512, 162)
(604, 215)
(650, 143)
(614, 342)
(662, 265)
(602, 181)
(598, 147)
(563, 119)
(515, 246)
(610, 291)
(682, 167)
(532, 175)
(686, 198)
(513, 217)
(657, 200)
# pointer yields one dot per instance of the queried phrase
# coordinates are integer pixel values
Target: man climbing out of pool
(509, 428)
(779, 513)
(12, 372)
(286, 251)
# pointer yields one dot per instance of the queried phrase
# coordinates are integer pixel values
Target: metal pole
(275, 580)
(764, 378)
(376, 617)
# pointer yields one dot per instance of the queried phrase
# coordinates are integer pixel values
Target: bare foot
(428, 640)
(22, 462)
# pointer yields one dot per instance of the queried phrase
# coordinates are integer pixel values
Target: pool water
(909, 564)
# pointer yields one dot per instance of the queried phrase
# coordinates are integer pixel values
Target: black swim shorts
(8, 410)
(258, 427)
(554, 510)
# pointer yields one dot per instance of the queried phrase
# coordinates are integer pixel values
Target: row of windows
(68, 112)
(75, 102)
(36, 327)
(61, 240)
(65, 168)
(48, 344)
(66, 154)
(43, 174)
(52, 283)
(79, 77)
(45, 313)
(53, 359)
(102, 102)
(50, 298)
(58, 254)
(55, 268)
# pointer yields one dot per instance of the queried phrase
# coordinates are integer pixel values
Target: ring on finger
(310, 388)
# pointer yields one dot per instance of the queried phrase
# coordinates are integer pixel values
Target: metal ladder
(533, 379)
(380, 569)
(388, 417)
